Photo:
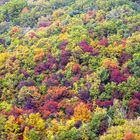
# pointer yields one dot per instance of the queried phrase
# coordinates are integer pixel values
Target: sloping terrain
(70, 70)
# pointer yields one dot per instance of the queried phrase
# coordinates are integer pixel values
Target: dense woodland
(69, 70)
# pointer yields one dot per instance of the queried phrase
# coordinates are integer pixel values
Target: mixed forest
(69, 69)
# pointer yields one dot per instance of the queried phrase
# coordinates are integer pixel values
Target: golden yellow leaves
(81, 112)
(63, 36)
(39, 54)
(3, 57)
(36, 121)
(109, 63)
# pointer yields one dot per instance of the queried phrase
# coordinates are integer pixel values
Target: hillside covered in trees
(69, 70)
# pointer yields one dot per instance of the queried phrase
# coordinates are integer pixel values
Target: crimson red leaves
(116, 76)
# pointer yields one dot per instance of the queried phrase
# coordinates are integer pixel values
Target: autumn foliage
(69, 70)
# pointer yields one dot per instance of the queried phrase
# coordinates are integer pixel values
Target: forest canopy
(70, 69)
